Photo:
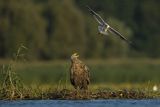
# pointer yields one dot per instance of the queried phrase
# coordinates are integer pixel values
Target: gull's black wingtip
(88, 8)
(134, 46)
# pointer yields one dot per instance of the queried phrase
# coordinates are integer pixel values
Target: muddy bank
(76, 95)
(66, 94)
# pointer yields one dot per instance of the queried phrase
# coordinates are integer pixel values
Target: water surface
(81, 103)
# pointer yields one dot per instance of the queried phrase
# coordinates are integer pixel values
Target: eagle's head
(74, 56)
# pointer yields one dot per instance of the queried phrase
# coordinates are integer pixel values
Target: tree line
(52, 29)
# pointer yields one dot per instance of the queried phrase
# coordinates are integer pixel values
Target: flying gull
(104, 28)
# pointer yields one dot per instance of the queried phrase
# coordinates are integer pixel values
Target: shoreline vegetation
(27, 81)
(111, 79)
(15, 89)
(68, 93)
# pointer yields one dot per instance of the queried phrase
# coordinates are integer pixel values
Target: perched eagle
(79, 73)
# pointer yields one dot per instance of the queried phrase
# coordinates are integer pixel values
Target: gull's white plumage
(104, 28)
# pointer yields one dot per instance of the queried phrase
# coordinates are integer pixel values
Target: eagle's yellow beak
(76, 54)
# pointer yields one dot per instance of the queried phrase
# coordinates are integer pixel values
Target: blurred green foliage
(102, 72)
(53, 29)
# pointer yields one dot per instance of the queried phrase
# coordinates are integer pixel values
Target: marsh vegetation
(113, 78)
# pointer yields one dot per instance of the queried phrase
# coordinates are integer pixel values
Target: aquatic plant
(11, 86)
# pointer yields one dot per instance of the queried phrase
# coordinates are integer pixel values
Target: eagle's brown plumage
(79, 73)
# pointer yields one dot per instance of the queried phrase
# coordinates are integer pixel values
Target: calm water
(81, 103)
